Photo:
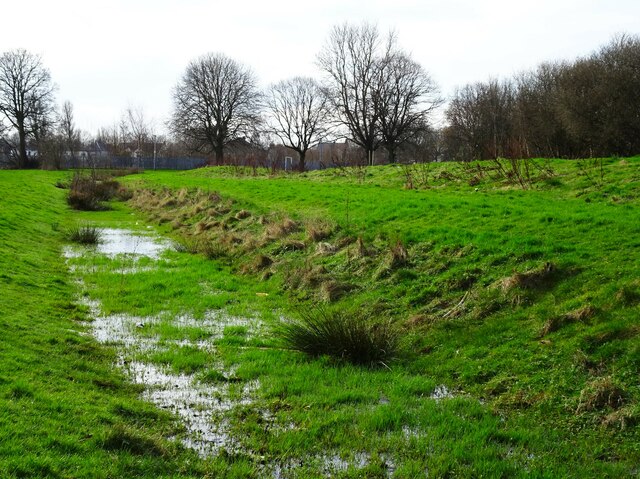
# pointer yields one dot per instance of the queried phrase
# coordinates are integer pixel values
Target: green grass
(541, 360)
(64, 410)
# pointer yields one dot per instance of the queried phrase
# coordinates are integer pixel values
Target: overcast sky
(107, 55)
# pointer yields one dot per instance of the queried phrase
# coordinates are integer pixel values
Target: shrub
(346, 336)
(84, 235)
(87, 192)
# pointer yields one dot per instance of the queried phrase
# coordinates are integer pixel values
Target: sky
(107, 56)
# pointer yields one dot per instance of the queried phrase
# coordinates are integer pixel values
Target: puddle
(120, 241)
(117, 241)
(441, 392)
(201, 407)
(330, 465)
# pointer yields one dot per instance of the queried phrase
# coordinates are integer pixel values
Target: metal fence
(141, 163)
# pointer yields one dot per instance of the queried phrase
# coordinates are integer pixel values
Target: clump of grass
(281, 229)
(601, 393)
(360, 250)
(242, 214)
(332, 290)
(622, 418)
(555, 323)
(325, 249)
(84, 234)
(290, 245)
(533, 278)
(258, 264)
(319, 229)
(343, 335)
(123, 438)
(398, 255)
(629, 294)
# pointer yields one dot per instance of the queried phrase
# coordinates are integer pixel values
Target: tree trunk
(301, 165)
(23, 160)
(392, 153)
(219, 154)
(370, 157)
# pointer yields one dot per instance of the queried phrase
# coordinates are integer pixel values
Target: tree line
(566, 109)
(371, 93)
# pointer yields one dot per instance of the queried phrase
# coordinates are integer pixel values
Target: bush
(87, 192)
(347, 336)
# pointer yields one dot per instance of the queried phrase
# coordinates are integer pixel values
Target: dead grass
(623, 418)
(243, 214)
(319, 229)
(291, 245)
(332, 290)
(534, 278)
(629, 294)
(325, 249)
(600, 393)
(399, 256)
(258, 264)
(281, 229)
(555, 323)
(360, 250)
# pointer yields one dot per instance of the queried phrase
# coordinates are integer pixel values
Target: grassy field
(517, 310)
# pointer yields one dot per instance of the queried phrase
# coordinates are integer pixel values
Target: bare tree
(407, 96)
(351, 59)
(137, 127)
(215, 103)
(26, 96)
(298, 114)
(68, 131)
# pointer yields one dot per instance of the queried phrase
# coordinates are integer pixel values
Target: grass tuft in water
(84, 234)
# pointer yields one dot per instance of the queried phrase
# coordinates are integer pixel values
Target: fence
(124, 162)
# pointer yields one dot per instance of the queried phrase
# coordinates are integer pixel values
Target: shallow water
(117, 241)
(203, 408)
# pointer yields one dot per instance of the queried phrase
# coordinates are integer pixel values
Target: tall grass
(344, 335)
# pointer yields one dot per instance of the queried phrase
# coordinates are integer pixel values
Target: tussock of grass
(281, 229)
(333, 290)
(325, 249)
(259, 263)
(346, 336)
(123, 438)
(319, 229)
(242, 214)
(86, 235)
(530, 279)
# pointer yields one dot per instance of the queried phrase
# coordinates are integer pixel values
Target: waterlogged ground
(199, 405)
(200, 345)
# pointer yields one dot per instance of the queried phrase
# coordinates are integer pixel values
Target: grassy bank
(517, 310)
